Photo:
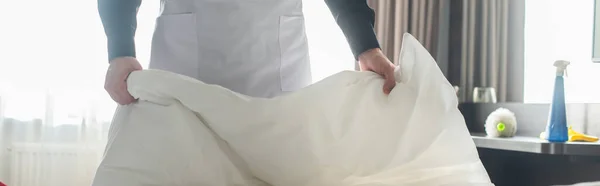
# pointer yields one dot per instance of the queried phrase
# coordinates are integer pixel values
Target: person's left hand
(374, 60)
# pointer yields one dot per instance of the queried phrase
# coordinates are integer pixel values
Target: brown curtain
(393, 18)
(486, 47)
(477, 43)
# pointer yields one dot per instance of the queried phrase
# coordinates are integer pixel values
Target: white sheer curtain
(54, 113)
(560, 29)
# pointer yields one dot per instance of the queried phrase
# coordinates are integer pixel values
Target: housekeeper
(254, 47)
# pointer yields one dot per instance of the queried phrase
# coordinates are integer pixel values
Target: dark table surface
(536, 145)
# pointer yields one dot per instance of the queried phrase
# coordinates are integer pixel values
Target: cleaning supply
(557, 130)
(575, 136)
(501, 123)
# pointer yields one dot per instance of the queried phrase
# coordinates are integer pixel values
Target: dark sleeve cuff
(356, 20)
(361, 37)
(123, 46)
(119, 18)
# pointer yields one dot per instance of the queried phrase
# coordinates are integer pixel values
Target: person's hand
(116, 75)
(374, 60)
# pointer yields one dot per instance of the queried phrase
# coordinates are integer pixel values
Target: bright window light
(560, 29)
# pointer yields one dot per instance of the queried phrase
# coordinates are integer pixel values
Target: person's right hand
(116, 75)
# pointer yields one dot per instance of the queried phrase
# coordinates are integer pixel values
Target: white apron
(254, 47)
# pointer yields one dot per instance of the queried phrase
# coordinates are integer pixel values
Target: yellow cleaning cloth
(575, 136)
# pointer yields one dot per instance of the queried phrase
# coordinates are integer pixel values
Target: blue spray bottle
(557, 130)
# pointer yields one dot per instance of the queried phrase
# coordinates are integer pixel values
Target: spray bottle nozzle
(561, 67)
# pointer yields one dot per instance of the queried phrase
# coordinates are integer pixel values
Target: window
(560, 29)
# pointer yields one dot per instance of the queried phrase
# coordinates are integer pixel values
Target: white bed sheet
(341, 131)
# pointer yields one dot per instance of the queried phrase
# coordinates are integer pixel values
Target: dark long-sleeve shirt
(119, 17)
